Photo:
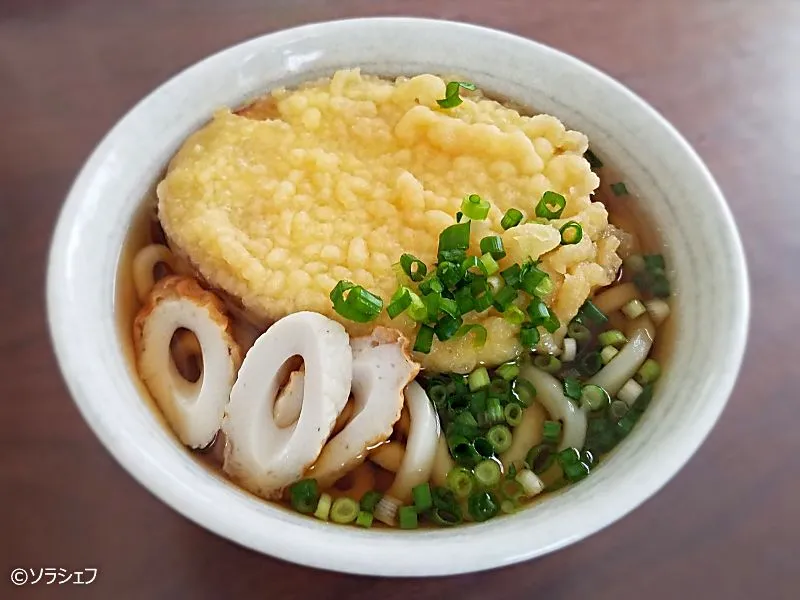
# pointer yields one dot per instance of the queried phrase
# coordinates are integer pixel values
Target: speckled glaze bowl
(676, 193)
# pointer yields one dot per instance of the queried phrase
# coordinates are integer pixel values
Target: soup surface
(394, 301)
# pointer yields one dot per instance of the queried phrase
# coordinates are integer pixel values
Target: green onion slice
(451, 97)
(424, 340)
(619, 189)
(514, 315)
(528, 336)
(488, 473)
(493, 244)
(551, 205)
(594, 397)
(479, 334)
(512, 218)
(483, 506)
(571, 233)
(572, 388)
(413, 267)
(400, 301)
(475, 208)
(499, 436)
(358, 305)
(304, 495)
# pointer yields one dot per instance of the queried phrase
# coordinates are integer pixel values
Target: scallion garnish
(612, 337)
(551, 431)
(422, 496)
(499, 436)
(474, 207)
(512, 275)
(400, 301)
(407, 517)
(487, 473)
(512, 218)
(344, 510)
(451, 97)
(483, 506)
(358, 305)
(513, 414)
(304, 495)
(528, 336)
(424, 340)
(594, 162)
(551, 205)
(514, 315)
(478, 379)
(572, 388)
(460, 481)
(507, 371)
(493, 244)
(447, 327)
(488, 264)
(594, 397)
(619, 189)
(479, 334)
(524, 391)
(413, 267)
(540, 458)
(370, 500)
(571, 233)
(504, 298)
(592, 313)
(453, 239)
(547, 363)
(449, 274)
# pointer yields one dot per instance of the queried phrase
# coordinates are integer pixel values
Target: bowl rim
(161, 488)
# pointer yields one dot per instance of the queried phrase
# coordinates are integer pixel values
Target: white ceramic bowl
(679, 195)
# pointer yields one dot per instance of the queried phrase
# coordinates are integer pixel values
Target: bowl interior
(674, 190)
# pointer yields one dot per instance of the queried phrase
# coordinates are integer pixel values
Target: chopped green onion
(512, 275)
(483, 447)
(499, 387)
(464, 300)
(499, 436)
(531, 278)
(364, 519)
(304, 495)
(594, 397)
(474, 207)
(571, 233)
(445, 499)
(514, 315)
(413, 267)
(444, 517)
(477, 403)
(648, 372)
(370, 500)
(493, 244)
(494, 412)
(447, 327)
(460, 481)
(578, 331)
(541, 315)
(463, 451)
(576, 472)
(503, 299)
(479, 331)
(570, 350)
(323, 507)
(508, 371)
(407, 516)
(588, 458)
(513, 414)
(544, 287)
(619, 189)
(487, 473)
(483, 506)
(590, 364)
(608, 353)
(438, 395)
(450, 307)
(634, 263)
(358, 305)
(483, 301)
(528, 336)
(629, 392)
(594, 162)
(551, 431)
(547, 363)
(612, 337)
(569, 456)
(424, 339)
(488, 265)
(540, 458)
(344, 510)
(454, 237)
(417, 310)
(511, 488)
(524, 391)
(449, 274)
(654, 262)
(551, 205)
(400, 301)
(617, 409)
(572, 388)
(592, 313)
(512, 218)
(626, 423)
(422, 496)
(451, 98)
(634, 309)
(478, 379)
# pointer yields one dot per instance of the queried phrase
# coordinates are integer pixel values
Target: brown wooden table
(724, 71)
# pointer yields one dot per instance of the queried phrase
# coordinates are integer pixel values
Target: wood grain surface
(725, 72)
